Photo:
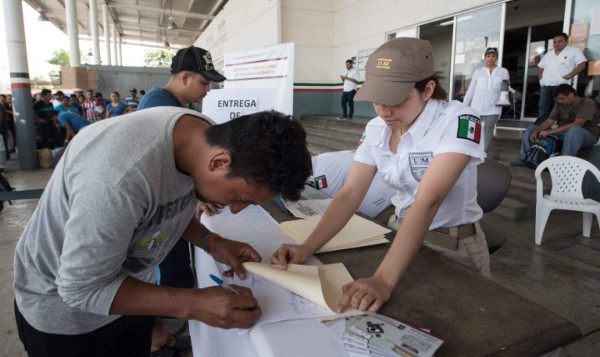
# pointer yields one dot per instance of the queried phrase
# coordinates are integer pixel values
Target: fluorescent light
(172, 24)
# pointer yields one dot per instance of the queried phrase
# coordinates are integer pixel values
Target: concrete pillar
(120, 51)
(113, 28)
(20, 84)
(105, 24)
(73, 32)
(94, 31)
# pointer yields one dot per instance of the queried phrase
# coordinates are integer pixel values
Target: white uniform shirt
(484, 90)
(439, 129)
(349, 85)
(330, 171)
(556, 66)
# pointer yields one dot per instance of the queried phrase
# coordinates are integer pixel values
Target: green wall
(327, 103)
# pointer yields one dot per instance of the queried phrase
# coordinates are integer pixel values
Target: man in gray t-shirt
(123, 193)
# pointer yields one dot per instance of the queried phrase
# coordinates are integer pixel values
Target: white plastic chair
(566, 173)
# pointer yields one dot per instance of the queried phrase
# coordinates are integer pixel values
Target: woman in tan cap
(425, 148)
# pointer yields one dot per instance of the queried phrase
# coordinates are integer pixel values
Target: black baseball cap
(493, 50)
(196, 59)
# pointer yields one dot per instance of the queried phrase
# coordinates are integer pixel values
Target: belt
(463, 231)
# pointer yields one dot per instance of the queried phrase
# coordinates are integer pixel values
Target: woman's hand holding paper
(367, 294)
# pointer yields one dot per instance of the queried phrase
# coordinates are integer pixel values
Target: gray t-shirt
(114, 207)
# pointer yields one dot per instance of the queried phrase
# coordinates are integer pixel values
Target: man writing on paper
(85, 265)
(192, 72)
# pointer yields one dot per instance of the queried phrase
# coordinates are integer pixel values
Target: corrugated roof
(141, 22)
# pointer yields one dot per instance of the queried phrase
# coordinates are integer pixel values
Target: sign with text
(270, 67)
(222, 105)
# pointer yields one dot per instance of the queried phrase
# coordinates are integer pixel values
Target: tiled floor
(563, 274)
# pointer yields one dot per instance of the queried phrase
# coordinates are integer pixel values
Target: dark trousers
(126, 336)
(546, 103)
(49, 135)
(176, 269)
(4, 133)
(348, 99)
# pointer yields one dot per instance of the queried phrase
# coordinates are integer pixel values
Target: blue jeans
(546, 103)
(348, 98)
(573, 139)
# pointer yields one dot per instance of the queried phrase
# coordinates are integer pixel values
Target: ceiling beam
(159, 10)
(130, 25)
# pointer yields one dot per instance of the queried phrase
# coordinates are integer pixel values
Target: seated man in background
(330, 171)
(576, 120)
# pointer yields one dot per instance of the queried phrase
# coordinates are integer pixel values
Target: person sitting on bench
(577, 124)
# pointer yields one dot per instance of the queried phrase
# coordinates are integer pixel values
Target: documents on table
(378, 335)
(255, 226)
(307, 208)
(290, 302)
(297, 338)
(320, 284)
(358, 232)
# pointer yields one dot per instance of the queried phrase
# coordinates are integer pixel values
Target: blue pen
(223, 284)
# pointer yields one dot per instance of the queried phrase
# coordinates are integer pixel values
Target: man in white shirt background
(558, 66)
(350, 80)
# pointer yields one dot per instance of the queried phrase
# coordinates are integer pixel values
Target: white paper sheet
(293, 338)
(256, 227)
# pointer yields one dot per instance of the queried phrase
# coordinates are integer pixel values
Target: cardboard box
(79, 77)
(92, 79)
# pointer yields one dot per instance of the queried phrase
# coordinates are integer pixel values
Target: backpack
(543, 148)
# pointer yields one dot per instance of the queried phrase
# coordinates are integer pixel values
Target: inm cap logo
(384, 63)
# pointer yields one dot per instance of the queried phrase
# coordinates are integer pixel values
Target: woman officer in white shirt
(425, 148)
(484, 92)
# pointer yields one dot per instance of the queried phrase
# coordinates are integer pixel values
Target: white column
(106, 34)
(94, 31)
(72, 32)
(113, 29)
(120, 51)
(20, 83)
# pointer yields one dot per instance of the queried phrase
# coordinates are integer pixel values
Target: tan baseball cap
(394, 68)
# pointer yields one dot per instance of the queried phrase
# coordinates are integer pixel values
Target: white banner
(270, 67)
(222, 105)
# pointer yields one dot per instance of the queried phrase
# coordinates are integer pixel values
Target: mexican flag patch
(320, 182)
(469, 127)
